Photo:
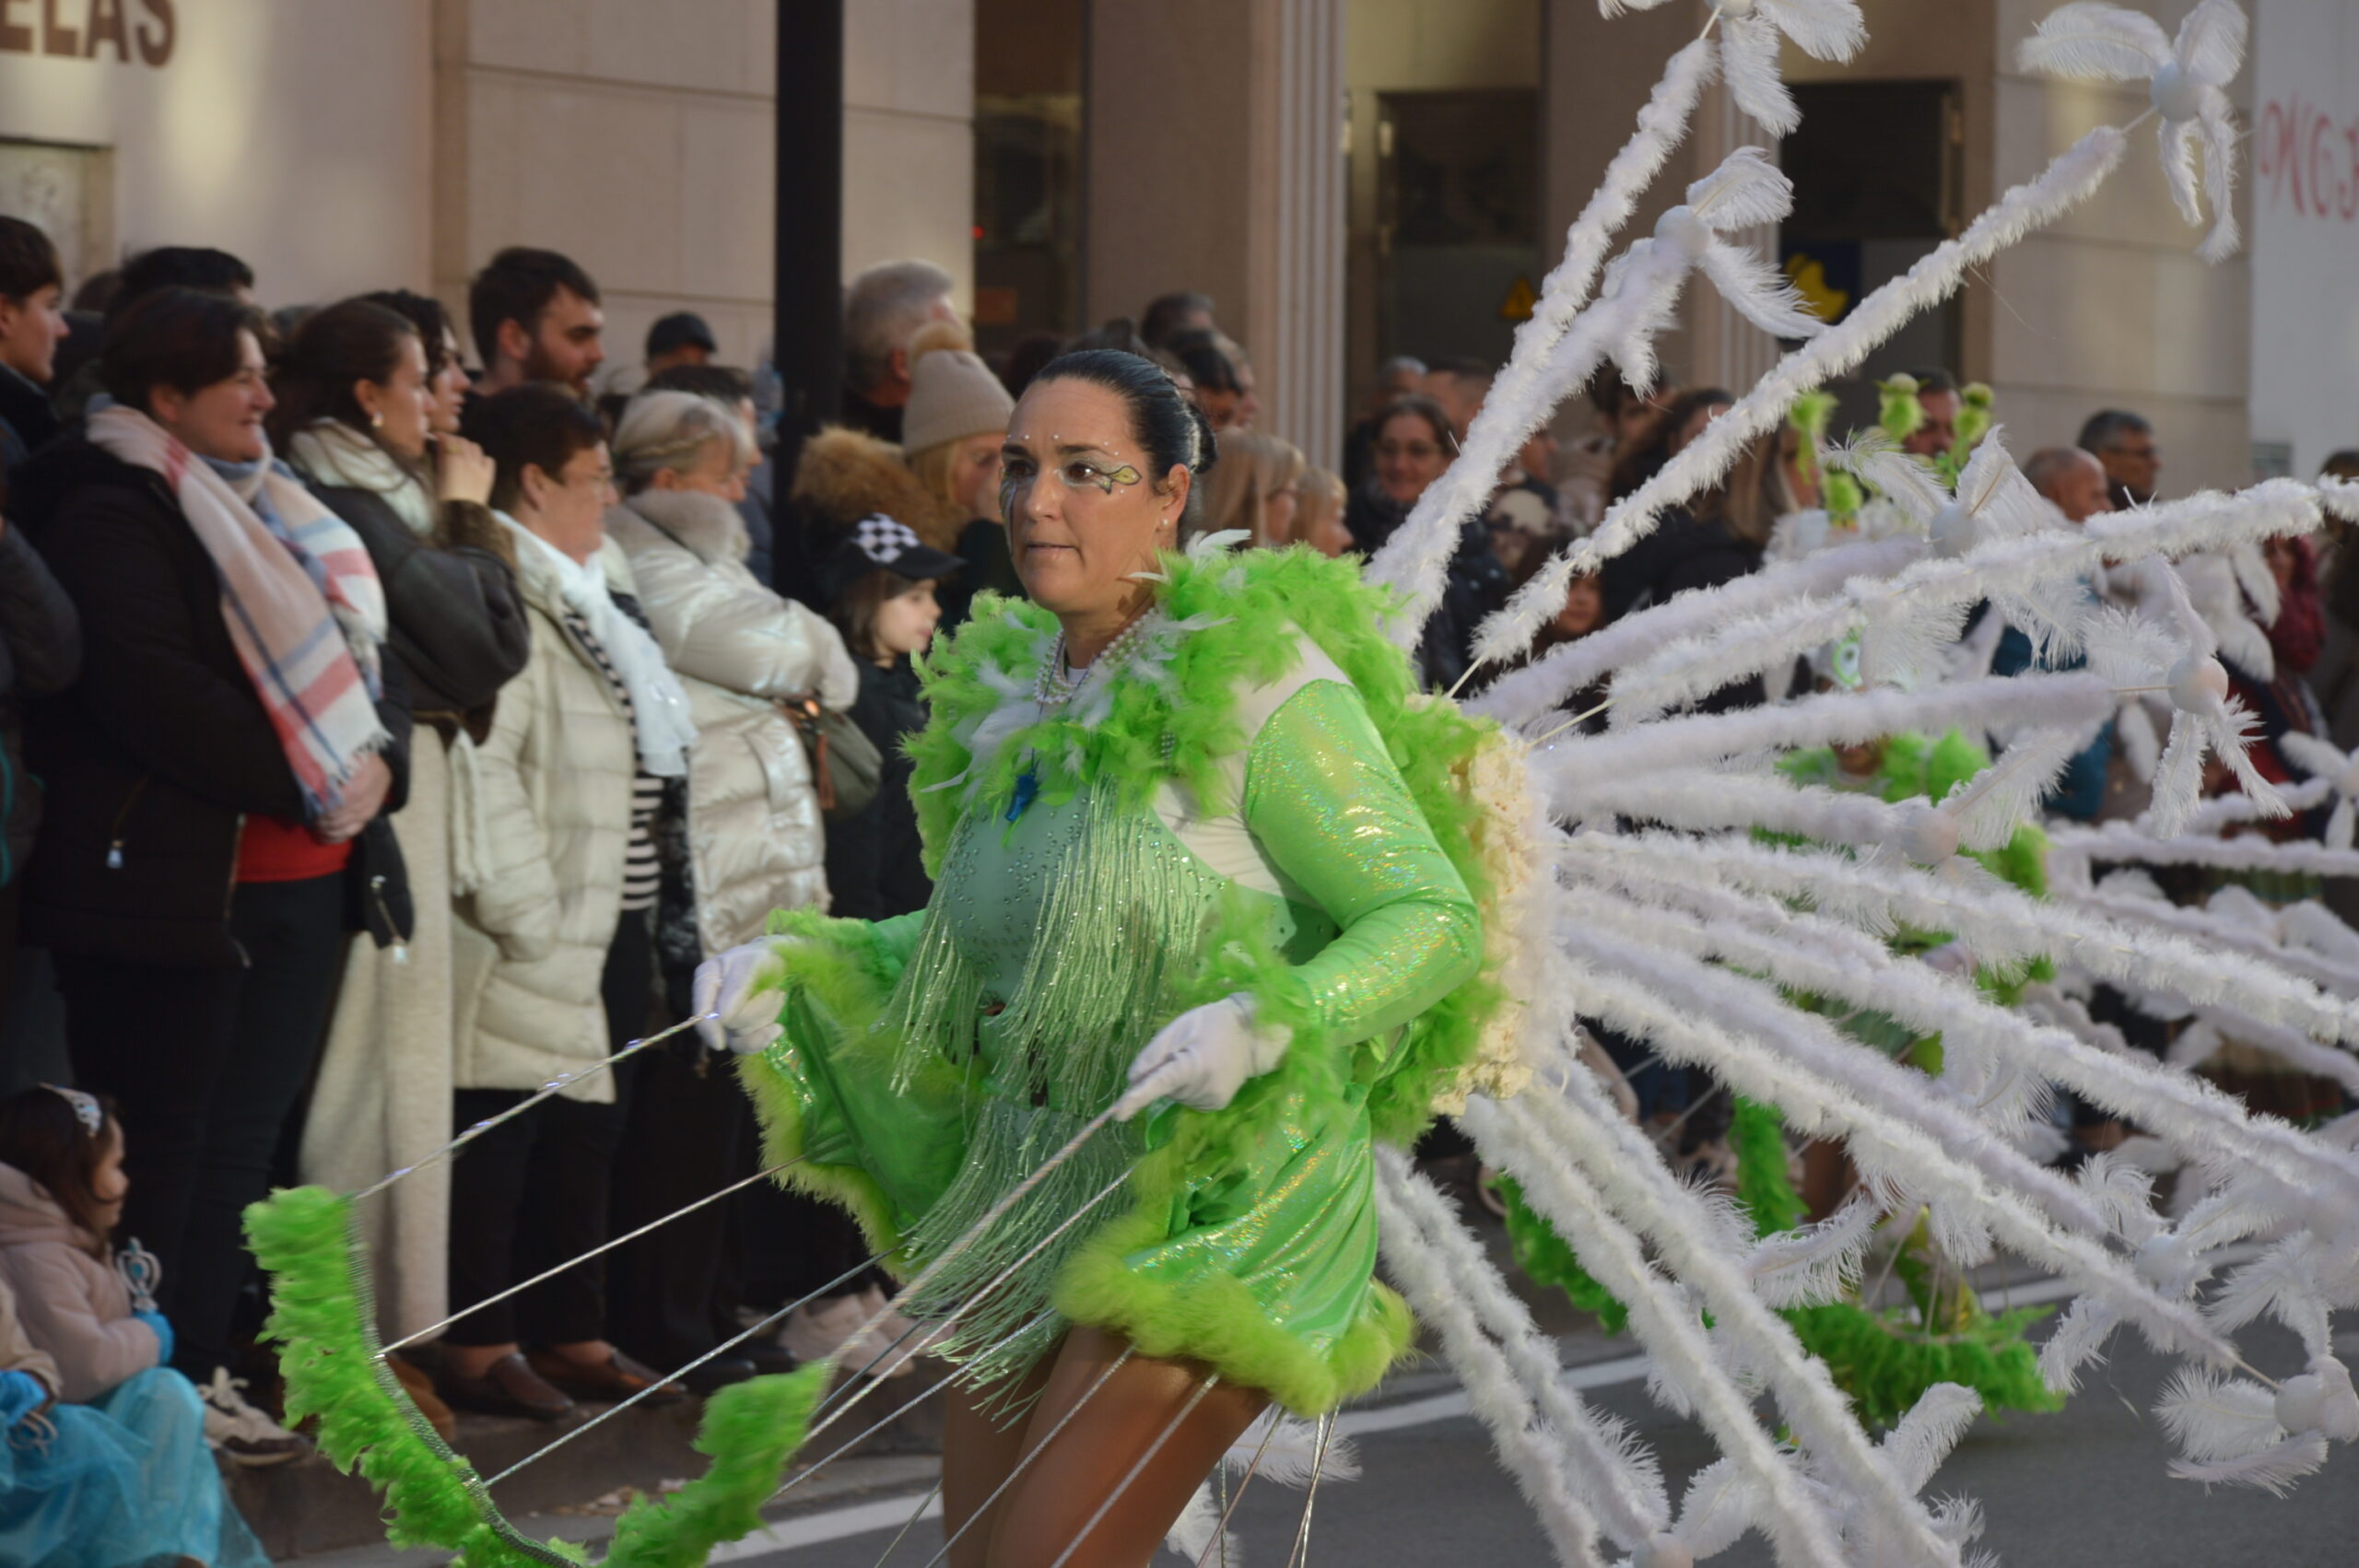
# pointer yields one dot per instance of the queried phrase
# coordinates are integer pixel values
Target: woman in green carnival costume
(1182, 810)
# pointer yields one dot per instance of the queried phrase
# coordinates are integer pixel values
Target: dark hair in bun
(1172, 430)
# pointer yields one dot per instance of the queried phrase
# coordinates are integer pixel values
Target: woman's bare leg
(1089, 1456)
(979, 1449)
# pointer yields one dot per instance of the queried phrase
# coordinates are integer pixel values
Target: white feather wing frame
(2064, 185)
(1413, 559)
(2094, 40)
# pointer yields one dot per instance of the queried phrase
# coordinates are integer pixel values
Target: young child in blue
(105, 1464)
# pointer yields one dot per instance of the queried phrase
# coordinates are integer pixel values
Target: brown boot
(419, 1386)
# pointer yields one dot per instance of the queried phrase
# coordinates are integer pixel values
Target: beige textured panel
(549, 160)
(2074, 314)
(915, 56)
(2202, 327)
(909, 192)
(727, 193)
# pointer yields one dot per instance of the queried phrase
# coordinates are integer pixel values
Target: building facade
(1349, 179)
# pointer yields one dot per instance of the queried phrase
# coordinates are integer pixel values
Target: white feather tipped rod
(1698, 740)
(1798, 1528)
(2118, 841)
(2202, 926)
(2293, 1049)
(1700, 799)
(1816, 954)
(1412, 560)
(1994, 921)
(2227, 810)
(1605, 1465)
(1733, 650)
(1618, 1156)
(1624, 984)
(1810, 1045)
(1523, 695)
(2066, 182)
(1629, 1179)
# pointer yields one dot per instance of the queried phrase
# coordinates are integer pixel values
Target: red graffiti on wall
(2303, 156)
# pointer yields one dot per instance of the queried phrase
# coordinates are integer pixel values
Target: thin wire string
(1220, 1531)
(612, 1411)
(555, 1086)
(957, 1375)
(551, 1273)
(861, 1390)
(1310, 1499)
(873, 1319)
(1031, 1454)
(1139, 1468)
(923, 1503)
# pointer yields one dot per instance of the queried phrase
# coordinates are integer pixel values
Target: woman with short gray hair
(755, 840)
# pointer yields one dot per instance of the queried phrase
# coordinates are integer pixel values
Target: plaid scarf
(304, 608)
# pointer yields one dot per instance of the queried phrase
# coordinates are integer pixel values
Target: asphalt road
(2084, 1486)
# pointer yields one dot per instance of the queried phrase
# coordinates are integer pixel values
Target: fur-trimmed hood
(844, 475)
(707, 525)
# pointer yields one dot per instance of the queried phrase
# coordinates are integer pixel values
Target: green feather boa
(322, 1321)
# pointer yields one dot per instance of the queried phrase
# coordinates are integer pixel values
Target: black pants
(671, 1291)
(205, 1065)
(536, 1190)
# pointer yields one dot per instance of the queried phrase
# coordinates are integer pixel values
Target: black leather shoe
(718, 1373)
(769, 1357)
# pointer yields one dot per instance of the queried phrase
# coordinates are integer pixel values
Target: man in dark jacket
(31, 326)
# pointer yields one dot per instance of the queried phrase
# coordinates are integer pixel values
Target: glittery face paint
(1074, 474)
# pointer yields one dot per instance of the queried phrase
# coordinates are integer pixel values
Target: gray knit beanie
(953, 395)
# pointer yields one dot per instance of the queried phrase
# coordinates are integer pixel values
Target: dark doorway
(1458, 221)
(1876, 186)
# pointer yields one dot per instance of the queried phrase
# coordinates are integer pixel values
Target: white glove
(736, 997)
(1202, 1057)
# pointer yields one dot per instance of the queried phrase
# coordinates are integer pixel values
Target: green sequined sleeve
(1330, 811)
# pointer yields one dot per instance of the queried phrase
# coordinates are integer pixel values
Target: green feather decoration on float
(750, 1431)
(322, 1321)
(323, 1318)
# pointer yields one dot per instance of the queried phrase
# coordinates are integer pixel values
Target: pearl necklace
(1056, 686)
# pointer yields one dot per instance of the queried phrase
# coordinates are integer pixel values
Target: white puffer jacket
(552, 790)
(755, 838)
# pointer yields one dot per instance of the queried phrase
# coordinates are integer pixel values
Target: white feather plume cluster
(1647, 895)
(2190, 76)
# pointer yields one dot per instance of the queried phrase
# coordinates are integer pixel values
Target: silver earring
(376, 421)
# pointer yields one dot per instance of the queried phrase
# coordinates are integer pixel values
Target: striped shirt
(642, 874)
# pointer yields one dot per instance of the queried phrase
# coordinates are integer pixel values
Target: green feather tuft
(750, 1431)
(1545, 1257)
(322, 1320)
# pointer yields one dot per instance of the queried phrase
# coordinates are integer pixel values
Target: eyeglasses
(1417, 452)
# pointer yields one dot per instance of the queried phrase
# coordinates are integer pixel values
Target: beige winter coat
(17, 1352)
(552, 789)
(72, 1302)
(755, 838)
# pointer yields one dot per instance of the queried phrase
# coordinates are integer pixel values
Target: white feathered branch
(2093, 41)
(2064, 185)
(1824, 29)
(1522, 397)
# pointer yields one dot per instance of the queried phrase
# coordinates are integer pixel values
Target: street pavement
(2084, 1486)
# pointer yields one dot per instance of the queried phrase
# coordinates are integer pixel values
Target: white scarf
(335, 453)
(660, 707)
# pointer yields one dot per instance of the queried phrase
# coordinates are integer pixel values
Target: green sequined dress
(1094, 883)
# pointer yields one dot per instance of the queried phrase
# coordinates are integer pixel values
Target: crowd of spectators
(386, 739)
